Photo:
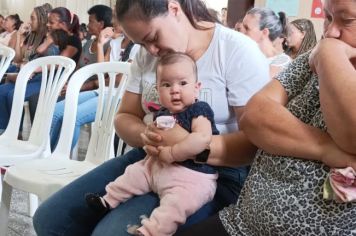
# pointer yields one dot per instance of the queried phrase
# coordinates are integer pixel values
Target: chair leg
(26, 122)
(5, 208)
(33, 203)
(74, 153)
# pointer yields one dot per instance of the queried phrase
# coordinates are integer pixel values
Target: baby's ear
(198, 84)
(197, 88)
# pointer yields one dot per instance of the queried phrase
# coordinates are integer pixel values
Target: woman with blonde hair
(300, 38)
(26, 45)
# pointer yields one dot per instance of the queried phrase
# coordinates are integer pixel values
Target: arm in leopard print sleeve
(332, 60)
(296, 75)
(277, 130)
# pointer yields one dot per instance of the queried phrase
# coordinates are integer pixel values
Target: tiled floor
(20, 223)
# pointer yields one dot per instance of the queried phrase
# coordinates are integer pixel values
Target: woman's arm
(43, 46)
(18, 46)
(12, 42)
(129, 120)
(104, 37)
(232, 149)
(271, 127)
(331, 60)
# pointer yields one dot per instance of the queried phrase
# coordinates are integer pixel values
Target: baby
(183, 186)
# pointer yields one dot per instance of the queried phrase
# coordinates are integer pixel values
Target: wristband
(202, 157)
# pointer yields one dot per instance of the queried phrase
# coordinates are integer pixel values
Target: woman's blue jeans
(7, 95)
(66, 212)
(87, 104)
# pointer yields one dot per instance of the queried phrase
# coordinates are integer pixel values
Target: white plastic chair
(6, 56)
(55, 73)
(46, 176)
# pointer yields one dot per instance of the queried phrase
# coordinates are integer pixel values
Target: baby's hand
(165, 154)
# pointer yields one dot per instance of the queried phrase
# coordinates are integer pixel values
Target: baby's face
(177, 86)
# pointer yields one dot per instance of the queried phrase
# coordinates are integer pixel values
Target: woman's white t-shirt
(231, 70)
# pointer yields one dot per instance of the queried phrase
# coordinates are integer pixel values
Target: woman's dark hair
(70, 19)
(102, 13)
(276, 24)
(195, 10)
(17, 20)
(60, 38)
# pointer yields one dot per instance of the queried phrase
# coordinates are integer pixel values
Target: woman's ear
(265, 32)
(303, 33)
(174, 7)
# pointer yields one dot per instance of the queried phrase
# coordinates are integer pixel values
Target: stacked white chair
(46, 176)
(6, 56)
(55, 73)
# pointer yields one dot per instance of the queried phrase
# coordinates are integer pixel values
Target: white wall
(25, 7)
(216, 4)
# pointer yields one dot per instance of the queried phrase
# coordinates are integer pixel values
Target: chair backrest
(108, 101)
(6, 56)
(55, 73)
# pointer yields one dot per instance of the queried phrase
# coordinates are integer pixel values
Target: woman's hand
(151, 139)
(154, 137)
(334, 157)
(25, 28)
(105, 35)
(327, 48)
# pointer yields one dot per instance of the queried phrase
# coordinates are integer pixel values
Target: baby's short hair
(174, 57)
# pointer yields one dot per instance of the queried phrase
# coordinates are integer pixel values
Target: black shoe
(94, 201)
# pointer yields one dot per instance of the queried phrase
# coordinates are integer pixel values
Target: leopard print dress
(284, 195)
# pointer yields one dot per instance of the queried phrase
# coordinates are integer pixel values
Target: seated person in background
(185, 186)
(11, 24)
(26, 45)
(60, 18)
(110, 46)
(2, 19)
(83, 33)
(300, 38)
(264, 27)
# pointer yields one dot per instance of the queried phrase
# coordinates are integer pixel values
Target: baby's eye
(165, 85)
(183, 83)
